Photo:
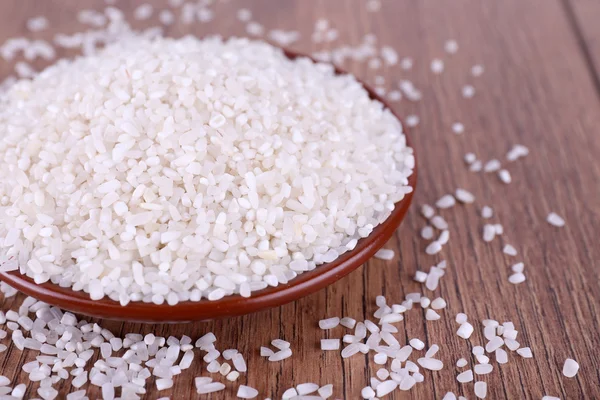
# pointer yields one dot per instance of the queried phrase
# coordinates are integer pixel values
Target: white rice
(37, 24)
(489, 232)
(280, 355)
(143, 12)
(166, 17)
(255, 29)
(280, 344)
(244, 15)
(307, 388)
(417, 344)
(433, 248)
(470, 158)
(431, 315)
(446, 201)
(461, 362)
(427, 211)
(406, 63)
(171, 221)
(438, 303)
(430, 363)
(330, 344)
(289, 394)
(412, 120)
(437, 66)
(466, 376)
(465, 330)
(516, 278)
(432, 351)
(458, 128)
(427, 232)
(525, 352)
(504, 176)
(492, 166)
(509, 250)
(246, 392)
(468, 91)
(439, 222)
(329, 323)
(451, 46)
(373, 5)
(501, 356)
(487, 212)
(464, 196)
(483, 369)
(348, 322)
(518, 151)
(555, 220)
(477, 70)
(480, 390)
(476, 166)
(570, 368)
(385, 254)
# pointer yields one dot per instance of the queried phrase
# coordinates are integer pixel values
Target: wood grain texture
(583, 16)
(537, 90)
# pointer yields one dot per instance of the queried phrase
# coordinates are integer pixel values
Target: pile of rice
(165, 170)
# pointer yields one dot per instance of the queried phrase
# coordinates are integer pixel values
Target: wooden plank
(535, 91)
(583, 16)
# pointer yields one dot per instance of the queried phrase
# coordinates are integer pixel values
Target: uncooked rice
(555, 219)
(161, 193)
(385, 254)
(458, 128)
(227, 147)
(437, 66)
(570, 368)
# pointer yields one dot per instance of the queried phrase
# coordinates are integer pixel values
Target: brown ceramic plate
(229, 306)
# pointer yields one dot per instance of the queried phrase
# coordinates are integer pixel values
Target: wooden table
(541, 88)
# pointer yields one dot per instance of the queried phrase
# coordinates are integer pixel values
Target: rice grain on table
(451, 46)
(330, 344)
(406, 63)
(417, 344)
(437, 66)
(446, 201)
(501, 356)
(461, 362)
(570, 368)
(525, 352)
(518, 151)
(480, 390)
(475, 166)
(504, 176)
(427, 232)
(555, 219)
(246, 392)
(470, 158)
(509, 249)
(492, 166)
(385, 254)
(477, 70)
(458, 128)
(465, 376)
(438, 303)
(487, 212)
(468, 91)
(37, 24)
(464, 196)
